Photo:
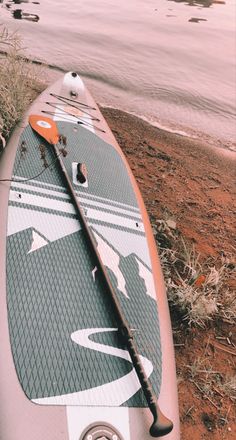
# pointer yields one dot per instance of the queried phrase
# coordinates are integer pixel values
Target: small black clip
(81, 175)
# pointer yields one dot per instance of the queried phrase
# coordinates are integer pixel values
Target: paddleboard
(66, 372)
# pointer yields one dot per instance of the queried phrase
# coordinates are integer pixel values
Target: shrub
(17, 82)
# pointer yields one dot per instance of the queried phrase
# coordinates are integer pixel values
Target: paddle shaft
(161, 425)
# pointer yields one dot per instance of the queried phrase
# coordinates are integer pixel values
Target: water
(171, 62)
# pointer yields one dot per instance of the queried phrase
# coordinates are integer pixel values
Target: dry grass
(228, 387)
(210, 382)
(197, 289)
(18, 83)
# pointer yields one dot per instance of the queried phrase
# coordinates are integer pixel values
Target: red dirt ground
(194, 185)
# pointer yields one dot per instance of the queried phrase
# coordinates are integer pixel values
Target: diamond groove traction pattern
(51, 292)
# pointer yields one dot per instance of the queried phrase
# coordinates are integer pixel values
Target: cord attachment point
(82, 173)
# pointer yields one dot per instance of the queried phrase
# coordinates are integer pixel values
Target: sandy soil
(193, 184)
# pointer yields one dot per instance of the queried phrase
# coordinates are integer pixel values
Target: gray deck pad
(62, 327)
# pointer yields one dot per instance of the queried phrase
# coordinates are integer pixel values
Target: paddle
(161, 425)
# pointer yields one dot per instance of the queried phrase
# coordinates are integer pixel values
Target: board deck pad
(62, 326)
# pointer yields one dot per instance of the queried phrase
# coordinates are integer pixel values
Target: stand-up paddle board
(86, 341)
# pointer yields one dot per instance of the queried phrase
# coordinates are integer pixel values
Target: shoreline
(52, 72)
(190, 180)
(223, 146)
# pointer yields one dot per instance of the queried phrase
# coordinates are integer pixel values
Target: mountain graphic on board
(50, 295)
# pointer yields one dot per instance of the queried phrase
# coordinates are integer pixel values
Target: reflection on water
(203, 3)
(19, 14)
(196, 20)
(181, 75)
(18, 2)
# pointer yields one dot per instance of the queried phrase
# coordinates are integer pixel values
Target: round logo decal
(101, 432)
(44, 124)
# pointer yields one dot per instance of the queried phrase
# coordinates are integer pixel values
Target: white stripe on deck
(81, 198)
(68, 208)
(33, 183)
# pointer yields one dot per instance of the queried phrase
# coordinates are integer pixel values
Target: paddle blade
(45, 127)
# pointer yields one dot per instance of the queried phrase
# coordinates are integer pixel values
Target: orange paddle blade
(45, 127)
